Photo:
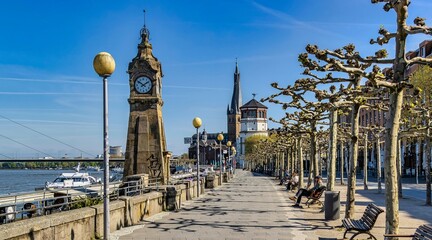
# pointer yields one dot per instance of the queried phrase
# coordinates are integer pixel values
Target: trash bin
(331, 205)
(170, 198)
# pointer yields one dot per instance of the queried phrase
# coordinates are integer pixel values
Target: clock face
(143, 85)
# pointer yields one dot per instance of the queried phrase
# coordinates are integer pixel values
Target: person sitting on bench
(306, 192)
(293, 182)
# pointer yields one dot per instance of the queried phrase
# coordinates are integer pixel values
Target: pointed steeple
(236, 101)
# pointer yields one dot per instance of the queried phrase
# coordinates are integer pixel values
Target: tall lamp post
(197, 124)
(104, 66)
(220, 137)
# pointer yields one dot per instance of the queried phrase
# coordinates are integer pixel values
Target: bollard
(331, 205)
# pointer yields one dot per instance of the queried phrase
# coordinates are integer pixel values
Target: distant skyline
(49, 85)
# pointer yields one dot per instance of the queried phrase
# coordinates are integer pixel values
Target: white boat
(71, 180)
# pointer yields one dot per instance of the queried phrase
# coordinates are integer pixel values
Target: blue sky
(47, 47)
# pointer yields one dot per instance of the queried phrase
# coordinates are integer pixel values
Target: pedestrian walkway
(253, 206)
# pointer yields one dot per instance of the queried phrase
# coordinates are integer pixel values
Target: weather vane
(144, 30)
(254, 94)
(144, 17)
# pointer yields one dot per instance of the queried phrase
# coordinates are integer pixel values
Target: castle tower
(146, 144)
(253, 122)
(233, 111)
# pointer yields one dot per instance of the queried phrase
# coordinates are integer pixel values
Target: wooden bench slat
(365, 223)
(423, 232)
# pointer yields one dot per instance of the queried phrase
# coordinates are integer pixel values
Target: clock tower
(146, 144)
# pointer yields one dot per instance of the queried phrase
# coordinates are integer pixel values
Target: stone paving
(252, 206)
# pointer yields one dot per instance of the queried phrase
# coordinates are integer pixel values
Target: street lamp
(229, 153)
(220, 137)
(104, 66)
(197, 124)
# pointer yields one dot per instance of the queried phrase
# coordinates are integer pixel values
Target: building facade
(253, 122)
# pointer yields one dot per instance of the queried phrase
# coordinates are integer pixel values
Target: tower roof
(145, 53)
(253, 104)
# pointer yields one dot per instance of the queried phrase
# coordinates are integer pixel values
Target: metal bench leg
(368, 233)
(344, 236)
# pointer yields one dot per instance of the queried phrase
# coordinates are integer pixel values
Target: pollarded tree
(396, 84)
(347, 61)
(310, 115)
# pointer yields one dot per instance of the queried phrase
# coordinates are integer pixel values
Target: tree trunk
(350, 202)
(313, 149)
(342, 160)
(399, 168)
(379, 174)
(365, 164)
(417, 158)
(282, 165)
(331, 172)
(428, 162)
(300, 159)
(390, 168)
(294, 166)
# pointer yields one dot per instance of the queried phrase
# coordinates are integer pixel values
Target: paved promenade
(253, 206)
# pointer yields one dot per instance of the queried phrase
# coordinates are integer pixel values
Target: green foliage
(252, 141)
(422, 79)
(85, 202)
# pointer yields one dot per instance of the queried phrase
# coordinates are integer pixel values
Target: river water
(26, 180)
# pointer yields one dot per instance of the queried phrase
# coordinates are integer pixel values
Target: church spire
(236, 101)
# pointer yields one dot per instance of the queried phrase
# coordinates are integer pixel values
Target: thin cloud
(46, 93)
(51, 122)
(226, 60)
(201, 88)
(72, 80)
(291, 22)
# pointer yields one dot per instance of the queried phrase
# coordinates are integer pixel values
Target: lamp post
(229, 153)
(197, 124)
(220, 137)
(104, 66)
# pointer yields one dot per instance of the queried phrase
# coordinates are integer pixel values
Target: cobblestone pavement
(253, 206)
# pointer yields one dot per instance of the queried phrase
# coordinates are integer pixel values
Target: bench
(315, 196)
(364, 224)
(424, 232)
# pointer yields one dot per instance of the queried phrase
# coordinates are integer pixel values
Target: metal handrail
(49, 201)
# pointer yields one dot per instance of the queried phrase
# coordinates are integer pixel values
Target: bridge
(62, 160)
